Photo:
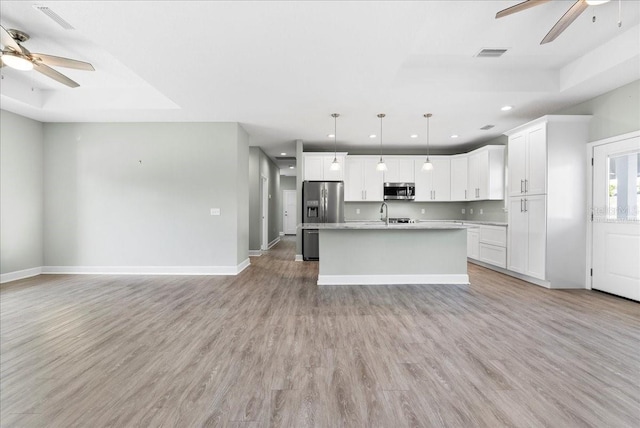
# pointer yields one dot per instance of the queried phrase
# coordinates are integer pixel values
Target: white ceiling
(281, 68)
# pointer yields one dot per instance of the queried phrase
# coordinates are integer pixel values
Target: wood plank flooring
(270, 348)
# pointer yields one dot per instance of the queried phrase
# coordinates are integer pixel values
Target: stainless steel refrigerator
(322, 202)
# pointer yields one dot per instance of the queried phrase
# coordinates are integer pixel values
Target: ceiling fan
(17, 56)
(570, 15)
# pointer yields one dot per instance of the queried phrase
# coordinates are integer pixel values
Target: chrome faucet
(385, 208)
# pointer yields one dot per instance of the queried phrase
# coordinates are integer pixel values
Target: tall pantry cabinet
(547, 185)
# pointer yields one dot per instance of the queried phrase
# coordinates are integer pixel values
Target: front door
(616, 221)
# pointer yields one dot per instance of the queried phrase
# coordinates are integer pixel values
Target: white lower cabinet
(488, 244)
(473, 243)
(527, 235)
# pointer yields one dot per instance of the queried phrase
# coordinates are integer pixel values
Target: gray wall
(287, 182)
(260, 164)
(21, 192)
(614, 113)
(140, 194)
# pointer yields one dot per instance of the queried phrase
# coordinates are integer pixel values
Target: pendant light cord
(381, 115)
(428, 116)
(335, 136)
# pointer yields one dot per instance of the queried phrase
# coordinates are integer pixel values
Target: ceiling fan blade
(58, 61)
(7, 41)
(520, 7)
(50, 72)
(566, 20)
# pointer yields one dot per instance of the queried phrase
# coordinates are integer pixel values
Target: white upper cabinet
(400, 169)
(459, 178)
(528, 161)
(433, 185)
(486, 174)
(317, 166)
(362, 181)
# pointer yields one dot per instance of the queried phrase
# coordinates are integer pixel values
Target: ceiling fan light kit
(18, 57)
(16, 61)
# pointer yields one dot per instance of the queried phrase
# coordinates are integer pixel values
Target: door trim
(590, 147)
(264, 212)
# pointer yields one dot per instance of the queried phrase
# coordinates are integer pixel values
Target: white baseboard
(20, 274)
(536, 281)
(299, 258)
(281, 233)
(392, 279)
(255, 253)
(147, 270)
(274, 242)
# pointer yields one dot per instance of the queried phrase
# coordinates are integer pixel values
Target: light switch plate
(422, 211)
(215, 211)
(357, 210)
(480, 211)
(464, 211)
(470, 210)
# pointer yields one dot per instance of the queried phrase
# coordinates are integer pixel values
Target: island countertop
(380, 225)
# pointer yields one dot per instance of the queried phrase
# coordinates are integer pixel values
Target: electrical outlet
(215, 211)
(470, 210)
(357, 210)
(422, 211)
(464, 211)
(480, 211)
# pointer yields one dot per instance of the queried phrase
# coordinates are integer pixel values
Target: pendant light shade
(335, 165)
(381, 166)
(427, 165)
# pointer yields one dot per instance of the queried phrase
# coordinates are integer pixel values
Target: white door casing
(264, 209)
(289, 212)
(616, 221)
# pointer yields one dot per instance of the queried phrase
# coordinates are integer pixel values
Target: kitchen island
(371, 253)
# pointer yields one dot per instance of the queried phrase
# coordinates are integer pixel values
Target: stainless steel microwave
(399, 191)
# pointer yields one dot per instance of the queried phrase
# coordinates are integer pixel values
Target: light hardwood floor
(270, 348)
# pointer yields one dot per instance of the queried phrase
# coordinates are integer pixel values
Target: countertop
(380, 225)
(474, 222)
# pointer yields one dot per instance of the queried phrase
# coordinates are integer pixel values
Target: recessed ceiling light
(330, 135)
(291, 167)
(283, 154)
(506, 108)
(414, 135)
(454, 136)
(372, 136)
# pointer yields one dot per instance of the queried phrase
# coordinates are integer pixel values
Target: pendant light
(335, 166)
(381, 165)
(427, 165)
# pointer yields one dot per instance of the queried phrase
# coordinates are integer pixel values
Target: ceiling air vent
(487, 127)
(286, 158)
(57, 18)
(491, 53)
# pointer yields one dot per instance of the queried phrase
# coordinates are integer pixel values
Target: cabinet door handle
(521, 186)
(526, 209)
(434, 195)
(521, 208)
(526, 186)
(465, 193)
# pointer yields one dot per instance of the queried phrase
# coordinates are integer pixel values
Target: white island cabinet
(317, 166)
(375, 253)
(362, 182)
